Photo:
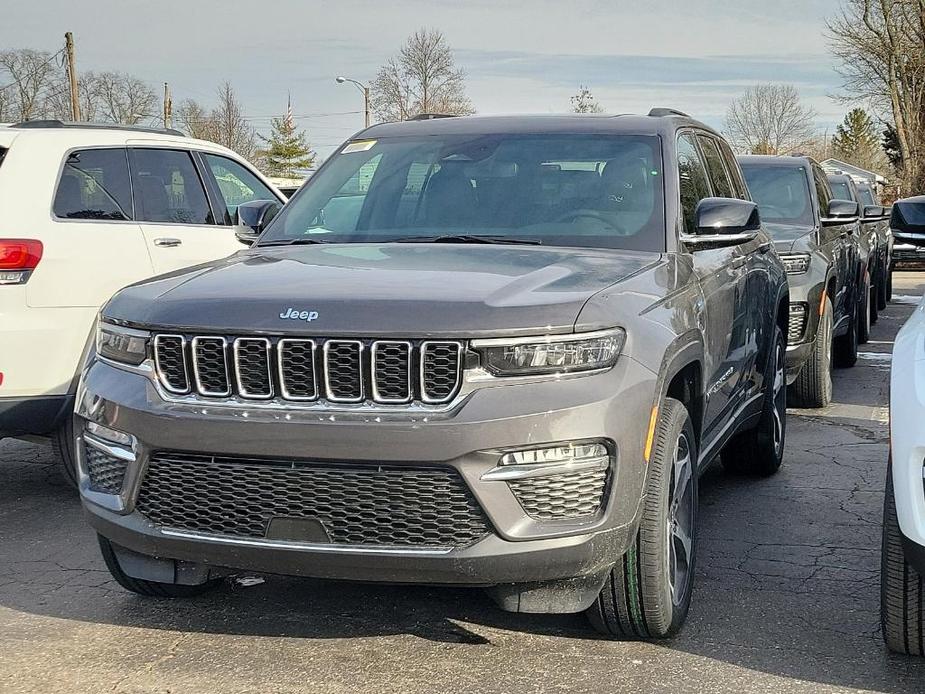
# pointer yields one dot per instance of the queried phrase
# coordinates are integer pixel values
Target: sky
(528, 56)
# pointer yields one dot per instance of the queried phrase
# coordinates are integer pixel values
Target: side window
(236, 183)
(168, 188)
(693, 178)
(94, 185)
(716, 168)
(739, 189)
(822, 191)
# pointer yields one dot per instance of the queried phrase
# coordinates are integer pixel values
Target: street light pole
(363, 88)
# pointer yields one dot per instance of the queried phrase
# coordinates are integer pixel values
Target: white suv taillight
(18, 258)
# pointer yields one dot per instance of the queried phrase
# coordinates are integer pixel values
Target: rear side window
(168, 188)
(94, 184)
(693, 179)
(739, 189)
(717, 170)
(2, 154)
(236, 183)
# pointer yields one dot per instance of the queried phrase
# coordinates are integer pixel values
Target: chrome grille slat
(341, 371)
(252, 367)
(210, 366)
(298, 379)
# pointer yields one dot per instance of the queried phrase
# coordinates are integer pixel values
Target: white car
(84, 211)
(903, 553)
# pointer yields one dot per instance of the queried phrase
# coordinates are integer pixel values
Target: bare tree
(193, 119)
(769, 119)
(123, 98)
(584, 101)
(422, 78)
(231, 128)
(27, 77)
(881, 47)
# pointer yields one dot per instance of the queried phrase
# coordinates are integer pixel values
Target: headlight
(121, 344)
(795, 263)
(551, 354)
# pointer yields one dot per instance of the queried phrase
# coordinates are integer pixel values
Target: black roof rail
(432, 116)
(51, 124)
(662, 112)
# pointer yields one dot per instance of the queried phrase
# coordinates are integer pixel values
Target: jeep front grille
(306, 370)
(354, 503)
(797, 324)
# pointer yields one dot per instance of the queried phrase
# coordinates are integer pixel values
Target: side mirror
(252, 218)
(842, 212)
(722, 222)
(873, 212)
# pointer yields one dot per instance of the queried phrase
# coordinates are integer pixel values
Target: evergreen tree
(584, 101)
(857, 142)
(287, 149)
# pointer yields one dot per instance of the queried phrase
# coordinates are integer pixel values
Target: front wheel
(813, 387)
(902, 613)
(883, 288)
(760, 451)
(846, 346)
(865, 312)
(648, 592)
(62, 440)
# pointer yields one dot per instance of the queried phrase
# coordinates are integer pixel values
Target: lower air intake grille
(356, 504)
(559, 497)
(797, 325)
(106, 472)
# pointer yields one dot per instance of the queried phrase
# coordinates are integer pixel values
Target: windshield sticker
(360, 146)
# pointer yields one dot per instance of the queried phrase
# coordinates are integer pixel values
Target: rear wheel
(902, 613)
(846, 346)
(154, 589)
(883, 287)
(889, 285)
(865, 312)
(62, 440)
(760, 451)
(648, 592)
(813, 387)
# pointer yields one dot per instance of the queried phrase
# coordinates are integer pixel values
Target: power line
(34, 72)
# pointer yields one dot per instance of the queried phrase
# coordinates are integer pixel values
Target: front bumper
(613, 405)
(906, 253)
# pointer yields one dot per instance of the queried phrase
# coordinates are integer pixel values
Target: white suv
(84, 211)
(902, 580)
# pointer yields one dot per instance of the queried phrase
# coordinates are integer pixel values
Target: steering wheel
(588, 213)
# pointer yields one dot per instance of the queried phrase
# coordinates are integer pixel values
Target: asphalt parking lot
(786, 598)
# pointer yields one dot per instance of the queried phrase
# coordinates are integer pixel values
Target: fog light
(111, 435)
(550, 460)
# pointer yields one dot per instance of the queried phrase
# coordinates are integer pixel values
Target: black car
(816, 239)
(871, 253)
(875, 213)
(907, 226)
(481, 351)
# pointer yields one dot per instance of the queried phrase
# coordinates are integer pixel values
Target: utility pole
(72, 75)
(366, 104)
(168, 107)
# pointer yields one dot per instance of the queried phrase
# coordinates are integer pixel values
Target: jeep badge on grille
(293, 314)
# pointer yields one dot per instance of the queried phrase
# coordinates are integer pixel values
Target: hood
(413, 290)
(785, 235)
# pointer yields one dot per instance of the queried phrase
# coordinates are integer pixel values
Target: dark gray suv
(816, 237)
(484, 351)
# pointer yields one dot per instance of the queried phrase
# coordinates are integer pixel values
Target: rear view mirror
(723, 222)
(873, 212)
(842, 212)
(251, 218)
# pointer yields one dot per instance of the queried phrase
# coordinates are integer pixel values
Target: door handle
(738, 262)
(765, 247)
(167, 242)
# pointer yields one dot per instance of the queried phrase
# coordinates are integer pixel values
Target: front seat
(449, 198)
(152, 199)
(624, 185)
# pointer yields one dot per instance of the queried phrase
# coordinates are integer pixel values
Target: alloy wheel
(681, 519)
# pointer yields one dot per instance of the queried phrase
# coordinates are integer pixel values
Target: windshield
(909, 216)
(840, 190)
(782, 193)
(566, 190)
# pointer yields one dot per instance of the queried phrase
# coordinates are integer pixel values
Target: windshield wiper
(291, 242)
(468, 238)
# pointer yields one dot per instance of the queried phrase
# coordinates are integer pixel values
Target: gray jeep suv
(484, 351)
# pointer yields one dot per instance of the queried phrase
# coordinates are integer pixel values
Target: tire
(902, 612)
(648, 592)
(865, 313)
(759, 451)
(883, 288)
(62, 440)
(889, 285)
(151, 589)
(813, 387)
(846, 346)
